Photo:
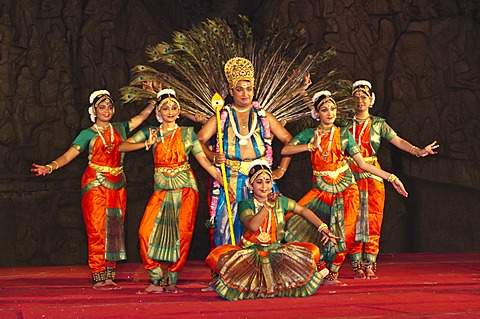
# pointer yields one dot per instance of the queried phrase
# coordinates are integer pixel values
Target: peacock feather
(282, 59)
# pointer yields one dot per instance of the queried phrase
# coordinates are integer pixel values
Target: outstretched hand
(152, 86)
(399, 187)
(40, 170)
(272, 197)
(328, 235)
(428, 150)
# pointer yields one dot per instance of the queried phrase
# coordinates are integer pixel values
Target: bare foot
(172, 289)
(370, 274)
(335, 282)
(101, 286)
(113, 285)
(211, 285)
(360, 274)
(151, 289)
(208, 288)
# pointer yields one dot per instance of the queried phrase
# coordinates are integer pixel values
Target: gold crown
(238, 69)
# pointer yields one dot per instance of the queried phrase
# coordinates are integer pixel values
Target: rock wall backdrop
(422, 58)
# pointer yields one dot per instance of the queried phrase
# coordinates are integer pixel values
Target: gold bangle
(214, 159)
(413, 151)
(322, 227)
(147, 147)
(391, 178)
(51, 168)
(55, 162)
(282, 169)
(310, 147)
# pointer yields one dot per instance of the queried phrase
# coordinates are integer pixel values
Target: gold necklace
(241, 111)
(329, 147)
(103, 129)
(361, 131)
(166, 145)
(264, 237)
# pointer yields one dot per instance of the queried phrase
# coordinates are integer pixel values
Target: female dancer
(335, 195)
(368, 131)
(262, 266)
(104, 197)
(167, 225)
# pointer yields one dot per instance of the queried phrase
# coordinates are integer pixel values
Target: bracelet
(322, 227)
(214, 159)
(51, 168)
(282, 169)
(269, 205)
(391, 178)
(147, 147)
(56, 164)
(413, 150)
(310, 147)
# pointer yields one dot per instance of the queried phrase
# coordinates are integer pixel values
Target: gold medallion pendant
(264, 237)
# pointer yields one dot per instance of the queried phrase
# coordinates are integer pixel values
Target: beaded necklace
(107, 146)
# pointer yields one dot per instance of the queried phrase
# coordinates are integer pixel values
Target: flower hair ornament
(318, 99)
(164, 96)
(365, 87)
(239, 69)
(96, 98)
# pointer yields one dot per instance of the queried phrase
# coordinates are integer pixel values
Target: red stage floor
(410, 285)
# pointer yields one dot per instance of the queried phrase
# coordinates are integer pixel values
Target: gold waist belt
(105, 169)
(333, 174)
(241, 166)
(172, 170)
